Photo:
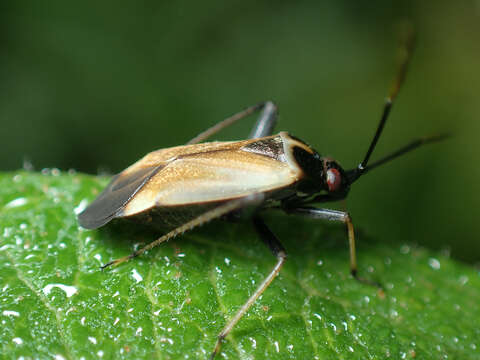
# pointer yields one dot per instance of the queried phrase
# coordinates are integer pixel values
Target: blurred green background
(93, 86)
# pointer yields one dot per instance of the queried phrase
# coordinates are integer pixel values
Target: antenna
(406, 49)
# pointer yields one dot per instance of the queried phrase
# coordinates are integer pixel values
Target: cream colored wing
(192, 174)
(211, 176)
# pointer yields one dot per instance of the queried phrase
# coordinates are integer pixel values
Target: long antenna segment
(406, 50)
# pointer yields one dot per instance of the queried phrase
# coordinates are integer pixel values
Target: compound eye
(334, 179)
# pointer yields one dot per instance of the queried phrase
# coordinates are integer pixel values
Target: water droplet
(227, 261)
(139, 331)
(7, 232)
(5, 247)
(17, 178)
(116, 321)
(434, 263)
(16, 203)
(170, 341)
(463, 279)
(136, 276)
(277, 348)
(404, 249)
(18, 240)
(17, 341)
(92, 340)
(69, 290)
(11, 313)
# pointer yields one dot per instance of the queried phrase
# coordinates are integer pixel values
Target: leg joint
(347, 218)
(282, 254)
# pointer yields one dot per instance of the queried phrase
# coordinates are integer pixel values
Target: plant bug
(183, 187)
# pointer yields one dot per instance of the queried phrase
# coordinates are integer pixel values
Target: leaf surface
(172, 302)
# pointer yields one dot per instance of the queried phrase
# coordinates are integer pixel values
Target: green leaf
(172, 302)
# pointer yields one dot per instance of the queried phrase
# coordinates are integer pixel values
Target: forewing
(112, 200)
(219, 175)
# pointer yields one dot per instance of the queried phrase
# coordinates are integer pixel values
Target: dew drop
(16, 203)
(434, 263)
(404, 249)
(69, 290)
(136, 276)
(10, 313)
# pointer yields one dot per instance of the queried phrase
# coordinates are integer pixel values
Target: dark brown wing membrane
(115, 196)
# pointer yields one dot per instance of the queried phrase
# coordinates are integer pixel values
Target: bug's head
(335, 179)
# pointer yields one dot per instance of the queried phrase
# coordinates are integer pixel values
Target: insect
(186, 186)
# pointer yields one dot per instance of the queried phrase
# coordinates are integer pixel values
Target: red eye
(334, 179)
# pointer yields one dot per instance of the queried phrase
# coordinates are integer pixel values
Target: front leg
(340, 216)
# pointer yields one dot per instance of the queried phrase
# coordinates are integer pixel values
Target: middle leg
(278, 250)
